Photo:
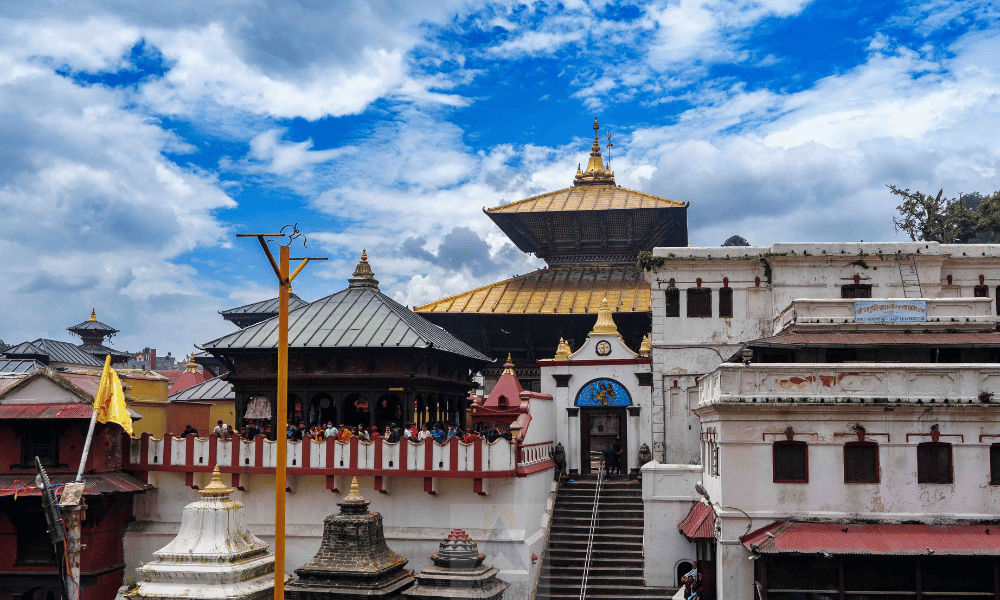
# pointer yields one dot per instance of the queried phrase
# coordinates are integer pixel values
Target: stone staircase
(616, 568)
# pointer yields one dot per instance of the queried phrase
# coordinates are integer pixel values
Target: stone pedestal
(458, 572)
(214, 555)
(353, 561)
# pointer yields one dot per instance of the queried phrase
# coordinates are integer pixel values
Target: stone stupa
(353, 561)
(214, 555)
(458, 572)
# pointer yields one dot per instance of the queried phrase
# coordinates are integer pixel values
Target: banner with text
(890, 311)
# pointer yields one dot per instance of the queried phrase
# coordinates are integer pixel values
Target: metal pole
(86, 447)
(280, 437)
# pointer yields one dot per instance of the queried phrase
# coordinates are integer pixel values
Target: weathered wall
(510, 524)
(667, 495)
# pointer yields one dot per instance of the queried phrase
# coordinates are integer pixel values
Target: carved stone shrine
(458, 572)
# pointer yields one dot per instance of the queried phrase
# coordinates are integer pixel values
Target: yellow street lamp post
(280, 481)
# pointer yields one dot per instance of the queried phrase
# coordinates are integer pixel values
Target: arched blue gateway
(603, 393)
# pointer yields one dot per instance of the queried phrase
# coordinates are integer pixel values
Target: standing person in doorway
(619, 455)
(610, 460)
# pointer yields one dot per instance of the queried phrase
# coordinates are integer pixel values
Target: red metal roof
(874, 538)
(699, 522)
(96, 484)
(870, 338)
(187, 380)
(62, 410)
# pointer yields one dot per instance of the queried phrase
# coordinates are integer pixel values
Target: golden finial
(595, 173)
(191, 366)
(645, 348)
(93, 314)
(508, 367)
(215, 488)
(563, 351)
(605, 323)
(363, 275)
(355, 494)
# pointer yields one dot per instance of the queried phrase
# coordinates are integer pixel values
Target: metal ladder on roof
(909, 276)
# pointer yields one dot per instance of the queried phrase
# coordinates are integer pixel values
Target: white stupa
(214, 555)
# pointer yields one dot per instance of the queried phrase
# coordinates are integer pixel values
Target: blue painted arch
(603, 392)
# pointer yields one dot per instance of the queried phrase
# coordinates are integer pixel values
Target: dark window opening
(673, 302)
(861, 462)
(839, 355)
(934, 462)
(791, 462)
(856, 291)
(981, 291)
(726, 302)
(34, 547)
(502, 401)
(41, 441)
(699, 302)
(995, 464)
(949, 355)
(776, 357)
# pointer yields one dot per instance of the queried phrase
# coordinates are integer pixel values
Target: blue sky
(137, 140)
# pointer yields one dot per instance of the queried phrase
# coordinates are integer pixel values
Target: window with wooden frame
(791, 462)
(981, 291)
(726, 303)
(934, 463)
(856, 290)
(41, 440)
(861, 462)
(995, 464)
(699, 302)
(673, 302)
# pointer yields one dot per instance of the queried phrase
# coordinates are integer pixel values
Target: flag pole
(86, 447)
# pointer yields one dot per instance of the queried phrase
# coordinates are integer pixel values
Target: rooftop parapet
(965, 314)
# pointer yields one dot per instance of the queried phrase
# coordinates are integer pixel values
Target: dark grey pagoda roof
(358, 317)
(53, 351)
(251, 314)
(212, 389)
(94, 325)
(19, 365)
(102, 351)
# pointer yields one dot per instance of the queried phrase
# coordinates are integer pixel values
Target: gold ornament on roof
(605, 324)
(363, 275)
(93, 314)
(215, 488)
(563, 351)
(595, 173)
(645, 348)
(355, 495)
(191, 366)
(508, 367)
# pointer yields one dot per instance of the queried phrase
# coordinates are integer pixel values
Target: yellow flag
(109, 401)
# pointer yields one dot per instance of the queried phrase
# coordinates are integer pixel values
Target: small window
(934, 462)
(981, 291)
(41, 441)
(995, 464)
(856, 291)
(840, 355)
(791, 462)
(699, 302)
(502, 401)
(673, 302)
(861, 462)
(726, 302)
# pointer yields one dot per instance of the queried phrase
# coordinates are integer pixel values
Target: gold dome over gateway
(605, 323)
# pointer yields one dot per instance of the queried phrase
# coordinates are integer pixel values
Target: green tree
(970, 218)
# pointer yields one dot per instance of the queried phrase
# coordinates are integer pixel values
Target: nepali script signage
(890, 311)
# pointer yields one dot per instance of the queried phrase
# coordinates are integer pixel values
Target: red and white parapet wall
(478, 461)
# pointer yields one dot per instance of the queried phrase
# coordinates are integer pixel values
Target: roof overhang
(898, 539)
(699, 524)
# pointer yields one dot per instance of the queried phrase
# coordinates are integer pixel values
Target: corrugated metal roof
(699, 522)
(70, 410)
(875, 538)
(358, 317)
(92, 326)
(19, 365)
(60, 352)
(95, 485)
(23, 349)
(586, 198)
(213, 389)
(265, 306)
(559, 290)
(880, 338)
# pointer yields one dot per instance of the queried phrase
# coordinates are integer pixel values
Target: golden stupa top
(595, 173)
(191, 366)
(355, 494)
(563, 351)
(559, 290)
(363, 275)
(605, 324)
(508, 367)
(645, 348)
(215, 489)
(93, 314)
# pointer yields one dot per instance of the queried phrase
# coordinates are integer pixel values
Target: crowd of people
(437, 432)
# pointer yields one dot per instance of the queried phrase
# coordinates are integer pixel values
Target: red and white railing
(478, 461)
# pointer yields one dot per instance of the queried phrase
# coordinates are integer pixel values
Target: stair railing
(590, 535)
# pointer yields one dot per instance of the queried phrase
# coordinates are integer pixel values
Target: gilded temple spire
(605, 324)
(595, 173)
(363, 275)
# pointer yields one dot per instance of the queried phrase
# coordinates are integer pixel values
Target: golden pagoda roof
(586, 198)
(558, 290)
